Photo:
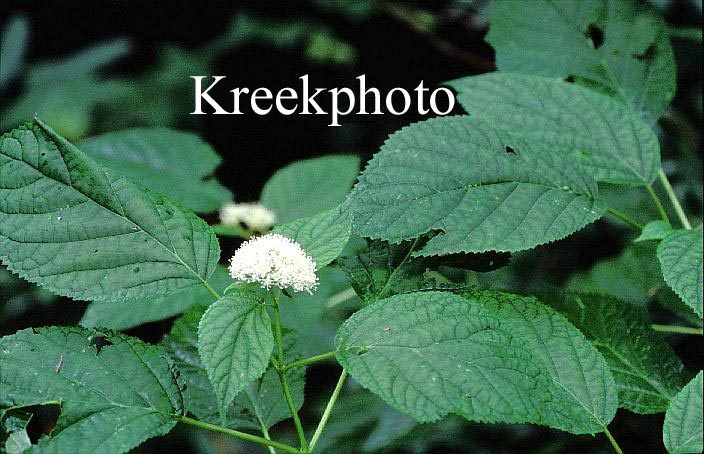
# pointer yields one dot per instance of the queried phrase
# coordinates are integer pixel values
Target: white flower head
(254, 216)
(274, 260)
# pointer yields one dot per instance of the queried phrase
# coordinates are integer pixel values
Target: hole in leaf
(647, 54)
(36, 420)
(570, 79)
(596, 34)
(100, 341)
(510, 150)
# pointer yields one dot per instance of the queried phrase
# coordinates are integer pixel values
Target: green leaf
(13, 47)
(323, 236)
(647, 372)
(598, 131)
(682, 432)
(654, 230)
(263, 400)
(235, 343)
(382, 269)
(308, 187)
(65, 92)
(680, 255)
(13, 431)
(83, 231)
(126, 314)
(561, 38)
(491, 357)
(158, 157)
(482, 188)
(112, 398)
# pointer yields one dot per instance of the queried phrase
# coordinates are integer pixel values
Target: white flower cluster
(254, 216)
(274, 260)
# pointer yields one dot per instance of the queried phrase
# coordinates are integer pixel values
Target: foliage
(555, 142)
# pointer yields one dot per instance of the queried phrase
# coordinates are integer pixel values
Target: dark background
(391, 53)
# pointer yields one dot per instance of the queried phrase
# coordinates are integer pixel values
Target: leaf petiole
(312, 359)
(328, 411)
(617, 214)
(677, 329)
(282, 374)
(238, 434)
(613, 442)
(673, 199)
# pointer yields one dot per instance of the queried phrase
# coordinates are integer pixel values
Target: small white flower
(274, 260)
(254, 216)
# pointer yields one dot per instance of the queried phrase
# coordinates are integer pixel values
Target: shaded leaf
(597, 131)
(307, 187)
(158, 157)
(323, 236)
(680, 255)
(111, 400)
(126, 314)
(682, 432)
(647, 372)
(619, 47)
(482, 188)
(262, 399)
(491, 357)
(235, 343)
(83, 231)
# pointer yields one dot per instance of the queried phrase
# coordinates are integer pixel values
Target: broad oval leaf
(112, 399)
(682, 432)
(307, 187)
(601, 132)
(323, 236)
(491, 357)
(680, 255)
(83, 231)
(561, 38)
(482, 188)
(158, 157)
(647, 372)
(235, 343)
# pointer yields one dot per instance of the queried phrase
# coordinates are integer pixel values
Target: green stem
(238, 434)
(282, 376)
(612, 440)
(328, 411)
(617, 214)
(210, 289)
(673, 199)
(677, 329)
(658, 203)
(312, 359)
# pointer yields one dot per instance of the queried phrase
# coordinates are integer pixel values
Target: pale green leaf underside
(235, 343)
(654, 230)
(262, 399)
(551, 38)
(126, 314)
(596, 130)
(111, 401)
(83, 231)
(307, 187)
(456, 175)
(647, 372)
(159, 157)
(680, 255)
(682, 432)
(323, 236)
(490, 357)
